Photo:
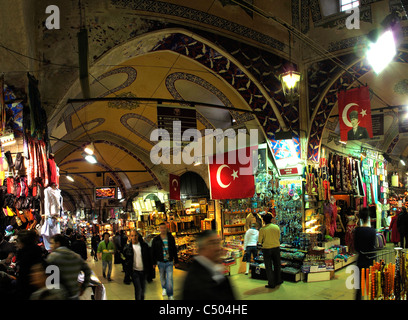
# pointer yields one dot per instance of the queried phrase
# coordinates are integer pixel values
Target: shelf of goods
(234, 224)
(320, 263)
(291, 263)
(233, 253)
(289, 210)
(187, 249)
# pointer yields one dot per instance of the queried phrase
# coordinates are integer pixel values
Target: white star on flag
(363, 112)
(235, 174)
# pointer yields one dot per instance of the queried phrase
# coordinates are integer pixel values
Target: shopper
(123, 242)
(106, 249)
(251, 218)
(28, 254)
(69, 264)
(94, 244)
(138, 263)
(6, 247)
(251, 245)
(395, 236)
(117, 241)
(206, 279)
(364, 242)
(402, 225)
(269, 238)
(164, 252)
(79, 246)
(69, 235)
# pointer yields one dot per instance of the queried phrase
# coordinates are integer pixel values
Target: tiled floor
(245, 287)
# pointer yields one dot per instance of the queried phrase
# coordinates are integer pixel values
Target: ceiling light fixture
(70, 178)
(402, 161)
(90, 158)
(89, 149)
(381, 52)
(290, 79)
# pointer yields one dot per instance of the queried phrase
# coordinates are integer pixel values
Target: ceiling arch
(328, 98)
(153, 65)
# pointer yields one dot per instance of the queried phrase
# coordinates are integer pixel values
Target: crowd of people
(29, 271)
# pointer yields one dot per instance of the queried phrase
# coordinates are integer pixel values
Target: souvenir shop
(186, 215)
(30, 194)
(317, 212)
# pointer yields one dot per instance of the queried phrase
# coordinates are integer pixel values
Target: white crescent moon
(219, 177)
(344, 115)
(172, 183)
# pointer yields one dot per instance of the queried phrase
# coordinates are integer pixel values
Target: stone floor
(245, 287)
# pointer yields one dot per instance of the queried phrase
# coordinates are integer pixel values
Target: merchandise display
(389, 281)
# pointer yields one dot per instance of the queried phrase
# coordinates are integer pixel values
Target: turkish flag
(355, 114)
(232, 179)
(174, 183)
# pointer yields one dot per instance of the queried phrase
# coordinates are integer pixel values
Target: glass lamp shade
(290, 84)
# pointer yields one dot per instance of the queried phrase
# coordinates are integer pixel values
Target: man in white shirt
(138, 263)
(251, 244)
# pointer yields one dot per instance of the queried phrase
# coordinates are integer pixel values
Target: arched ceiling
(120, 130)
(207, 51)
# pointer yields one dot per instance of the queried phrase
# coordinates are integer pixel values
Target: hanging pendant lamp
(290, 79)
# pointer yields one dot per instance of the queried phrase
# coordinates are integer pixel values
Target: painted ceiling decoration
(161, 7)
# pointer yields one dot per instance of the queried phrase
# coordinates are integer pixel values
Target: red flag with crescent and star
(174, 183)
(232, 179)
(355, 114)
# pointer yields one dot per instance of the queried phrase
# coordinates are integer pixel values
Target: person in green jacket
(106, 249)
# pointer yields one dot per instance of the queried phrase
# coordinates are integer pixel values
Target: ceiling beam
(160, 101)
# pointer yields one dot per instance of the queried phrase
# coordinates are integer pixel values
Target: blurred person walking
(138, 263)
(38, 278)
(206, 279)
(28, 254)
(164, 252)
(269, 238)
(69, 265)
(106, 249)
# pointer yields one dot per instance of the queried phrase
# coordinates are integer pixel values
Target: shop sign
(287, 171)
(167, 115)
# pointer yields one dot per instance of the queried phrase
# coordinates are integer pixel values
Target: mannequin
(52, 214)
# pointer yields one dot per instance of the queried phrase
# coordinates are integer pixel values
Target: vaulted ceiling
(206, 51)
